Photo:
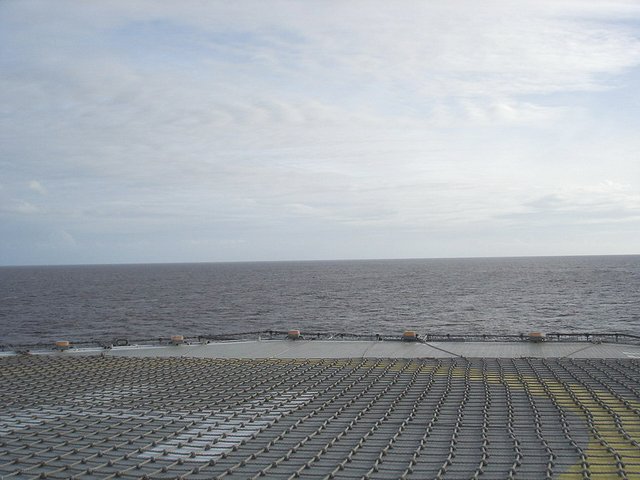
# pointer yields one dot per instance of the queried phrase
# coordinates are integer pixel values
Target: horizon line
(381, 259)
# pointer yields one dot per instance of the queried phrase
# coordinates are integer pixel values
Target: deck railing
(592, 337)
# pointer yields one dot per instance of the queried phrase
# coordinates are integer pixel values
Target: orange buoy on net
(63, 344)
(537, 337)
(294, 335)
(409, 336)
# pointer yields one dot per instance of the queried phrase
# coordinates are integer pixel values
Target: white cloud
(36, 186)
(60, 238)
(337, 51)
(19, 207)
(407, 116)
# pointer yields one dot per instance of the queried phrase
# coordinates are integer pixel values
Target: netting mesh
(107, 417)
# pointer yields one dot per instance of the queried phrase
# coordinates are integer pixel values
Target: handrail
(593, 337)
(553, 336)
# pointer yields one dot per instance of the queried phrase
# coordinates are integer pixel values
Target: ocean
(457, 296)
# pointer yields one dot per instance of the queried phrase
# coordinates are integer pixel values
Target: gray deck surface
(108, 416)
(387, 349)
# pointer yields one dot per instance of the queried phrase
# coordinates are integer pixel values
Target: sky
(194, 131)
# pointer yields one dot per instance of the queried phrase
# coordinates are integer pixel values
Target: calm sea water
(505, 295)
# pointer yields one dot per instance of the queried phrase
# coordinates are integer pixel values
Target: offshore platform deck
(424, 409)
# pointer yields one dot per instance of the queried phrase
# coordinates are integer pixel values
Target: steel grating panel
(104, 417)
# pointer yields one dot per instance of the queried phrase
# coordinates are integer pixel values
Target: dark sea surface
(492, 295)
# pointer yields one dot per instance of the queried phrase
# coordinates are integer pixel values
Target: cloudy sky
(169, 131)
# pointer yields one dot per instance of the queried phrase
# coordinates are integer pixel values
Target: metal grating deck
(103, 417)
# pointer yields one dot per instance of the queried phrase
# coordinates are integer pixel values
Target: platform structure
(379, 349)
(188, 411)
(276, 344)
